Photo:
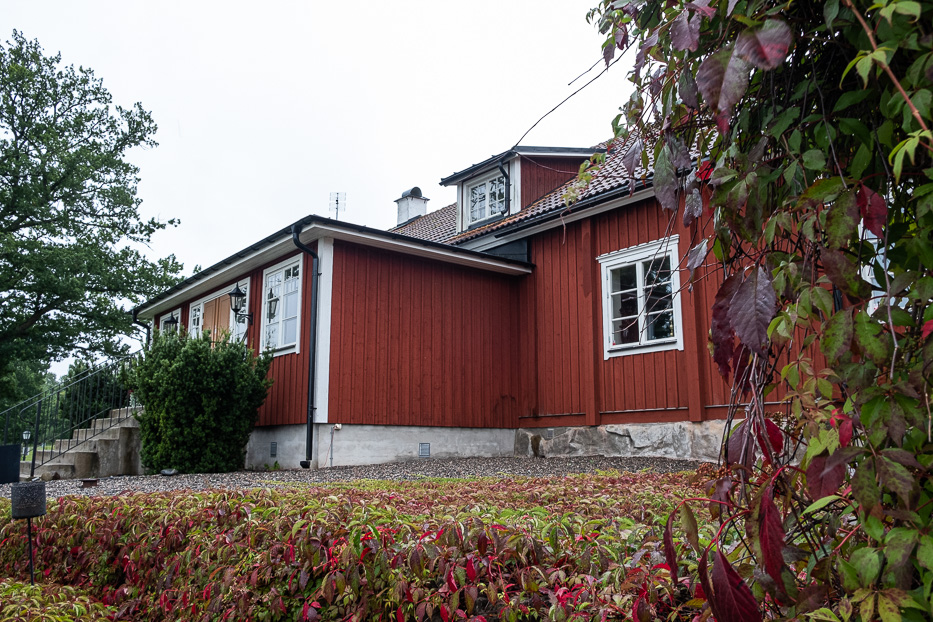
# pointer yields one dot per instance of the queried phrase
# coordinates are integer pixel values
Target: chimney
(411, 205)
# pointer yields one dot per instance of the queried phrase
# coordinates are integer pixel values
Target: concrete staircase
(109, 447)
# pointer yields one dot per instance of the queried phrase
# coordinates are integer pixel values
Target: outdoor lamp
(238, 302)
(26, 435)
(28, 501)
(273, 305)
(171, 323)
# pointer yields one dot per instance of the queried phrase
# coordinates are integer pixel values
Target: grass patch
(432, 549)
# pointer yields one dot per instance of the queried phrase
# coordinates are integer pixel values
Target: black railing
(70, 414)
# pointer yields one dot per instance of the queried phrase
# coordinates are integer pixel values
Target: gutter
(312, 341)
(146, 326)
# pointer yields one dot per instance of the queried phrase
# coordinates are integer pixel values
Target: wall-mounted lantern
(171, 323)
(26, 436)
(28, 501)
(238, 303)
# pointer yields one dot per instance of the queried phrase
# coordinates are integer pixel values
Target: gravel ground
(417, 469)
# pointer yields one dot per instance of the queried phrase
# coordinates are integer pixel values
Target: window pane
(272, 333)
(291, 305)
(660, 326)
(658, 298)
(497, 196)
(624, 305)
(289, 331)
(624, 331)
(478, 202)
(623, 278)
(658, 270)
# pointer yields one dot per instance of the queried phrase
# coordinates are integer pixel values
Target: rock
(168, 472)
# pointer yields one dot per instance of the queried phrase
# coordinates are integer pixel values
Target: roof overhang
(553, 152)
(314, 228)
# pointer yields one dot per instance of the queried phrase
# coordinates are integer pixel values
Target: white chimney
(411, 205)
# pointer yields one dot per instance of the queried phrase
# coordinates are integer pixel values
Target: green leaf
(819, 504)
(842, 220)
(784, 121)
(864, 487)
(907, 7)
(899, 545)
(925, 552)
(871, 339)
(860, 161)
(850, 98)
(688, 523)
(814, 159)
(867, 563)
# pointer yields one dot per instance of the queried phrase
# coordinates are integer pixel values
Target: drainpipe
(508, 188)
(312, 342)
(146, 326)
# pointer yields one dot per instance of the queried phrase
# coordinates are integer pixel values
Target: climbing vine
(794, 139)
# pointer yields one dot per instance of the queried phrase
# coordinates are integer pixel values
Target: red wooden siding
(540, 175)
(574, 385)
(287, 402)
(415, 342)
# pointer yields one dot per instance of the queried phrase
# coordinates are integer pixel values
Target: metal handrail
(75, 404)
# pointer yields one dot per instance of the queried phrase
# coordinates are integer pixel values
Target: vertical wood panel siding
(541, 175)
(287, 401)
(416, 342)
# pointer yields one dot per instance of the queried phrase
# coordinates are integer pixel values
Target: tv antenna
(338, 201)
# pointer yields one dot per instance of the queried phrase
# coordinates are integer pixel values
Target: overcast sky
(265, 108)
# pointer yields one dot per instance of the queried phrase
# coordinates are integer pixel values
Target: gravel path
(417, 469)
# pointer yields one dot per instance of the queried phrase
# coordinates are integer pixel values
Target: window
(281, 303)
(641, 300)
(212, 314)
(485, 199)
(176, 314)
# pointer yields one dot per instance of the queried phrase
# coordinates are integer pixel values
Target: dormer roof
(581, 152)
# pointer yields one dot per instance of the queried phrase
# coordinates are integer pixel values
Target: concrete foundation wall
(679, 440)
(372, 444)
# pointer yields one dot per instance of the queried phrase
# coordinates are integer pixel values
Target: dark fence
(54, 421)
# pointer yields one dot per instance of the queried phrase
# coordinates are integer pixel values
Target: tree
(70, 224)
(200, 401)
(806, 127)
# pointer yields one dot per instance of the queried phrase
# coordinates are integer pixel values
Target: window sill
(285, 350)
(628, 350)
(486, 221)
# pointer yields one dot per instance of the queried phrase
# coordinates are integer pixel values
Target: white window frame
(295, 348)
(635, 255)
(176, 313)
(468, 187)
(198, 306)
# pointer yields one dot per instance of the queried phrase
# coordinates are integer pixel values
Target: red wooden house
(504, 323)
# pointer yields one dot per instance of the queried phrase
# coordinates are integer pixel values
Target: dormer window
(486, 198)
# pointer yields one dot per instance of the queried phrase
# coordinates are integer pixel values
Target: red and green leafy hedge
(485, 549)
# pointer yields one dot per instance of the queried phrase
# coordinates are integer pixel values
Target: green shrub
(200, 400)
(48, 602)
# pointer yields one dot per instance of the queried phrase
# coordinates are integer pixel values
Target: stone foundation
(679, 440)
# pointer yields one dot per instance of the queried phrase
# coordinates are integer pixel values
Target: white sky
(265, 108)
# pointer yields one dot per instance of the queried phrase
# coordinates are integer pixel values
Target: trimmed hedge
(201, 399)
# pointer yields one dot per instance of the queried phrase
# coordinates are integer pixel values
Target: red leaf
(771, 537)
(775, 436)
(734, 601)
(445, 616)
(481, 543)
(399, 614)
(927, 328)
(766, 46)
(722, 79)
(752, 309)
(633, 156)
(705, 584)
(450, 581)
(685, 33)
(844, 274)
(873, 208)
(722, 333)
(822, 482)
(470, 570)
(670, 553)
(641, 612)
(702, 7)
(739, 440)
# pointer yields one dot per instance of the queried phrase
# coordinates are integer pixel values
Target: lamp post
(238, 303)
(26, 436)
(28, 501)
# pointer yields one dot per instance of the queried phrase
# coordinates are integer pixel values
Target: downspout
(312, 342)
(146, 326)
(508, 188)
